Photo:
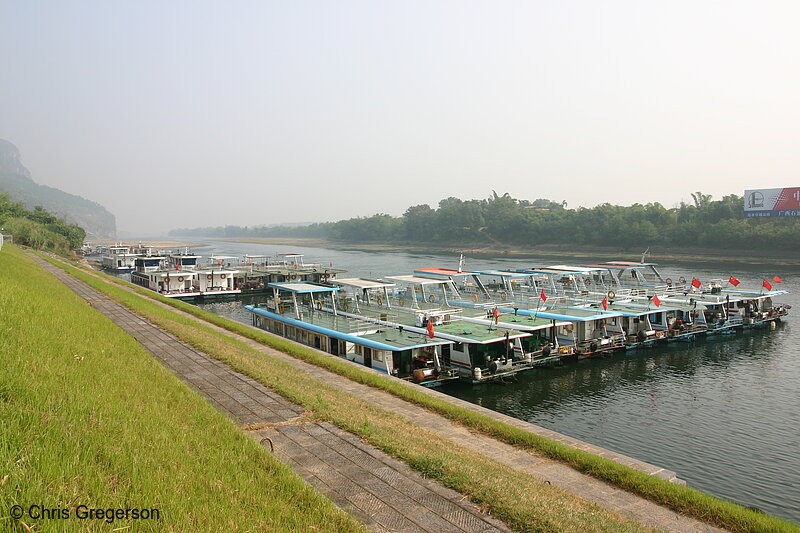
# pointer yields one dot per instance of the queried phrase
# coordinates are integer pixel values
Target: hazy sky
(183, 114)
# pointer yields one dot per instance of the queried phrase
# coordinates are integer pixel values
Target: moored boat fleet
(439, 324)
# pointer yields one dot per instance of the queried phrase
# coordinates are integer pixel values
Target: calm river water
(722, 413)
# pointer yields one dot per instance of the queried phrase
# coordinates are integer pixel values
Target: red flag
(219, 261)
(776, 279)
(605, 304)
(496, 315)
(696, 283)
(656, 300)
(767, 285)
(733, 281)
(331, 264)
(543, 296)
(430, 328)
(177, 267)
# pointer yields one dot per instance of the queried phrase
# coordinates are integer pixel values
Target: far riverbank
(595, 253)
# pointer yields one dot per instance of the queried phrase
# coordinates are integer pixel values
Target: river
(723, 413)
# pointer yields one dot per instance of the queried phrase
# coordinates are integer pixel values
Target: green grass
(682, 499)
(88, 417)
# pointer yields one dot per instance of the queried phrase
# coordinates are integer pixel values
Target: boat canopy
(630, 263)
(577, 269)
(444, 272)
(615, 266)
(302, 287)
(389, 339)
(417, 280)
(362, 283)
(504, 274)
(576, 314)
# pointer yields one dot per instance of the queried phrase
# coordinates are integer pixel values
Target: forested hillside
(37, 228)
(16, 181)
(503, 220)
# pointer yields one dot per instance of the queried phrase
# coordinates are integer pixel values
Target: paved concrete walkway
(556, 473)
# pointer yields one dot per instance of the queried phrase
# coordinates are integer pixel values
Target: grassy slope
(87, 416)
(682, 499)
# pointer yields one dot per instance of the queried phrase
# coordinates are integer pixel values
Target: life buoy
(474, 297)
(611, 295)
(208, 276)
(681, 280)
(504, 294)
(180, 279)
(319, 304)
(380, 300)
(281, 308)
(669, 281)
(568, 328)
(222, 276)
(431, 298)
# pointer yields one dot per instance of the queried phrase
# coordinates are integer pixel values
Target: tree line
(37, 228)
(503, 220)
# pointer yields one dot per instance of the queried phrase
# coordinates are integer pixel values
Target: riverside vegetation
(37, 228)
(503, 221)
(523, 502)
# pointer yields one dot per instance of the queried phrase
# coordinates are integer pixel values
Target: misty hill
(16, 180)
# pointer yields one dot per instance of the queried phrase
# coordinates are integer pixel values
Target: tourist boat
(119, 259)
(421, 297)
(308, 313)
(583, 332)
(171, 283)
(474, 351)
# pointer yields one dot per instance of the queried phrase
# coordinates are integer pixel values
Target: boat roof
(575, 314)
(212, 270)
(446, 272)
(248, 256)
(302, 287)
(629, 309)
(361, 283)
(173, 273)
(614, 266)
(504, 274)
(545, 271)
(220, 257)
(417, 280)
(290, 256)
(383, 338)
(630, 263)
(512, 321)
(670, 306)
(578, 269)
